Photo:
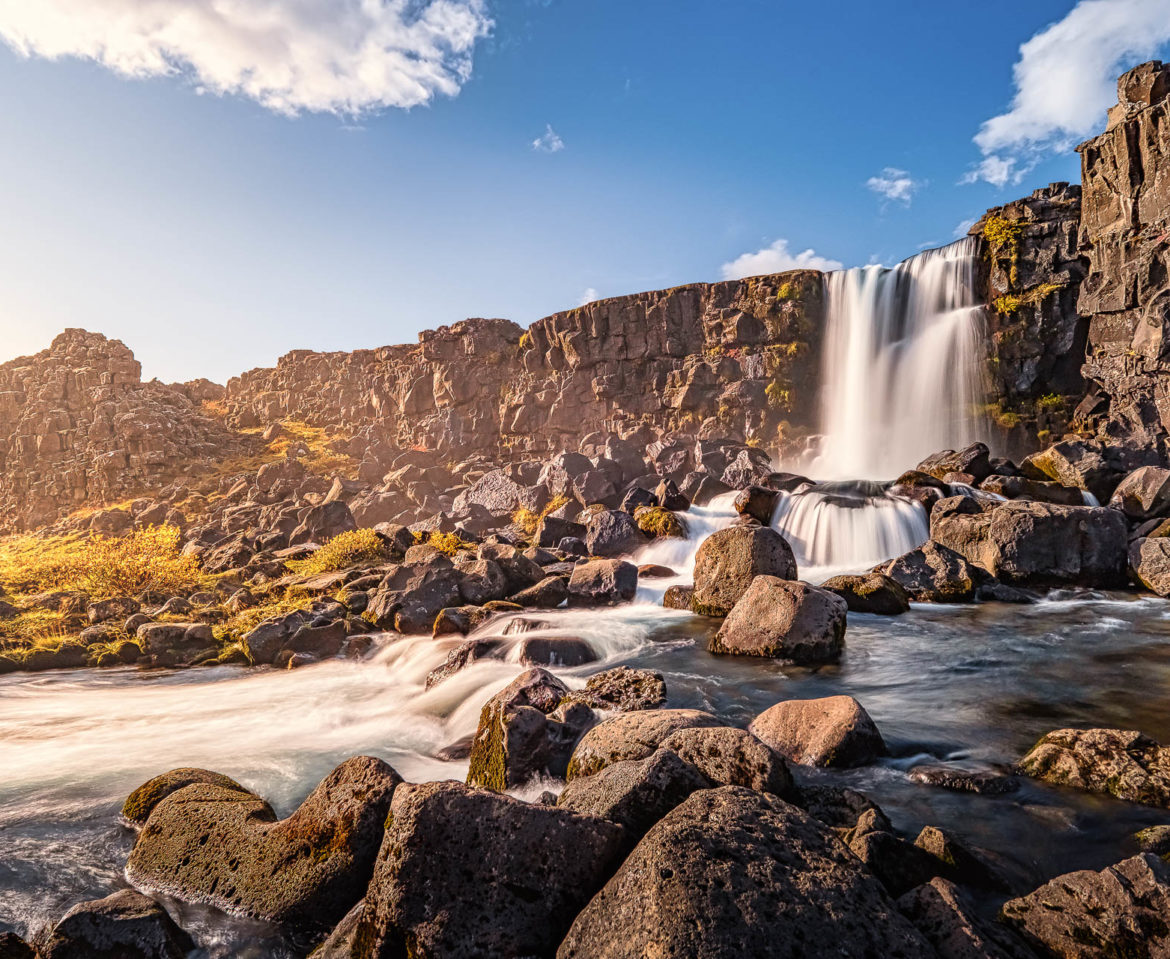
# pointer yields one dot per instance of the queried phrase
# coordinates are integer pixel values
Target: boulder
(549, 593)
(461, 656)
(943, 914)
(552, 529)
(470, 874)
(119, 607)
(210, 844)
(611, 532)
(731, 873)
(140, 803)
(1144, 493)
(319, 524)
(125, 925)
(785, 620)
(621, 689)
(1119, 762)
(935, 574)
(898, 865)
(562, 651)
(833, 731)
(634, 793)
(420, 591)
(973, 460)
(732, 757)
(757, 502)
(603, 582)
(1119, 911)
(1074, 463)
(728, 561)
(870, 593)
(13, 947)
(267, 639)
(633, 735)
(1037, 544)
(1149, 563)
(659, 523)
(678, 597)
(522, 734)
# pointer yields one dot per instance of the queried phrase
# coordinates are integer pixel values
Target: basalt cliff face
(1075, 278)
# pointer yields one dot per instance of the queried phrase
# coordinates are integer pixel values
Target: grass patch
(343, 551)
(528, 520)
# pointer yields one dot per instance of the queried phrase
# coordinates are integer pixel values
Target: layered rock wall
(1125, 231)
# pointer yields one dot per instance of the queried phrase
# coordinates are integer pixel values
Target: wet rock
(522, 733)
(562, 651)
(342, 942)
(1155, 839)
(733, 873)
(13, 947)
(633, 735)
(461, 656)
(459, 620)
(1119, 762)
(603, 582)
(758, 502)
(266, 641)
(935, 574)
(610, 533)
(125, 925)
(785, 620)
(549, 593)
(730, 559)
(210, 844)
(833, 731)
(941, 912)
(870, 593)
(846, 811)
(678, 597)
(1119, 911)
(623, 689)
(732, 757)
(634, 793)
(984, 782)
(1074, 463)
(469, 874)
(140, 803)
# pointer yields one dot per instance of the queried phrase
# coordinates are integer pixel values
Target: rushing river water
(972, 684)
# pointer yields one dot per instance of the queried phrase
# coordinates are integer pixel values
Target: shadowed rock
(126, 925)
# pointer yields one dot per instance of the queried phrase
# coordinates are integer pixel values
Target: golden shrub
(343, 551)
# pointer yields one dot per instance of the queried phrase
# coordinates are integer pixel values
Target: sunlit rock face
(1125, 228)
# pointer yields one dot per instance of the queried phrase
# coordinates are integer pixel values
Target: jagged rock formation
(78, 426)
(1037, 338)
(1125, 227)
(739, 357)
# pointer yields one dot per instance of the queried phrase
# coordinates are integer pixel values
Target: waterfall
(902, 362)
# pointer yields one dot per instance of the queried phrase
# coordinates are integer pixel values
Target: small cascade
(902, 363)
(847, 527)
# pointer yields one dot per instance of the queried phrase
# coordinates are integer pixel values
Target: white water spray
(901, 363)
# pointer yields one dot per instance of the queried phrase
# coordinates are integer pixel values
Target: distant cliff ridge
(1077, 282)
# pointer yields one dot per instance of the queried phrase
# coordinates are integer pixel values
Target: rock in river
(730, 559)
(1119, 762)
(833, 731)
(781, 619)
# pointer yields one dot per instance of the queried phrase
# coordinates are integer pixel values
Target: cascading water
(901, 381)
(901, 363)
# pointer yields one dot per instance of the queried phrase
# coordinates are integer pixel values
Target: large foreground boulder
(734, 873)
(1119, 762)
(833, 731)
(1036, 544)
(207, 843)
(470, 874)
(787, 620)
(126, 925)
(730, 559)
(1119, 911)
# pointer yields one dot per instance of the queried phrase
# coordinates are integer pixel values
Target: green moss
(489, 758)
(660, 523)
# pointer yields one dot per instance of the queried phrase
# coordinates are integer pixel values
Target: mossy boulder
(660, 523)
(224, 847)
(730, 559)
(140, 803)
(1119, 762)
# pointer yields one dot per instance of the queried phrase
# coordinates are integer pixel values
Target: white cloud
(588, 296)
(963, 227)
(340, 56)
(776, 259)
(549, 141)
(895, 185)
(1065, 81)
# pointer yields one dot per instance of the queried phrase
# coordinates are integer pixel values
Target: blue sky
(213, 232)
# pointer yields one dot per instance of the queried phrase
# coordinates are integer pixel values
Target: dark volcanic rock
(126, 925)
(941, 912)
(784, 620)
(1143, 494)
(211, 844)
(935, 574)
(603, 582)
(834, 731)
(634, 735)
(140, 803)
(732, 757)
(870, 593)
(623, 689)
(734, 873)
(469, 874)
(1119, 911)
(730, 559)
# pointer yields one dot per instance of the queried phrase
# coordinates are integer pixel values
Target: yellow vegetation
(528, 520)
(343, 551)
(237, 626)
